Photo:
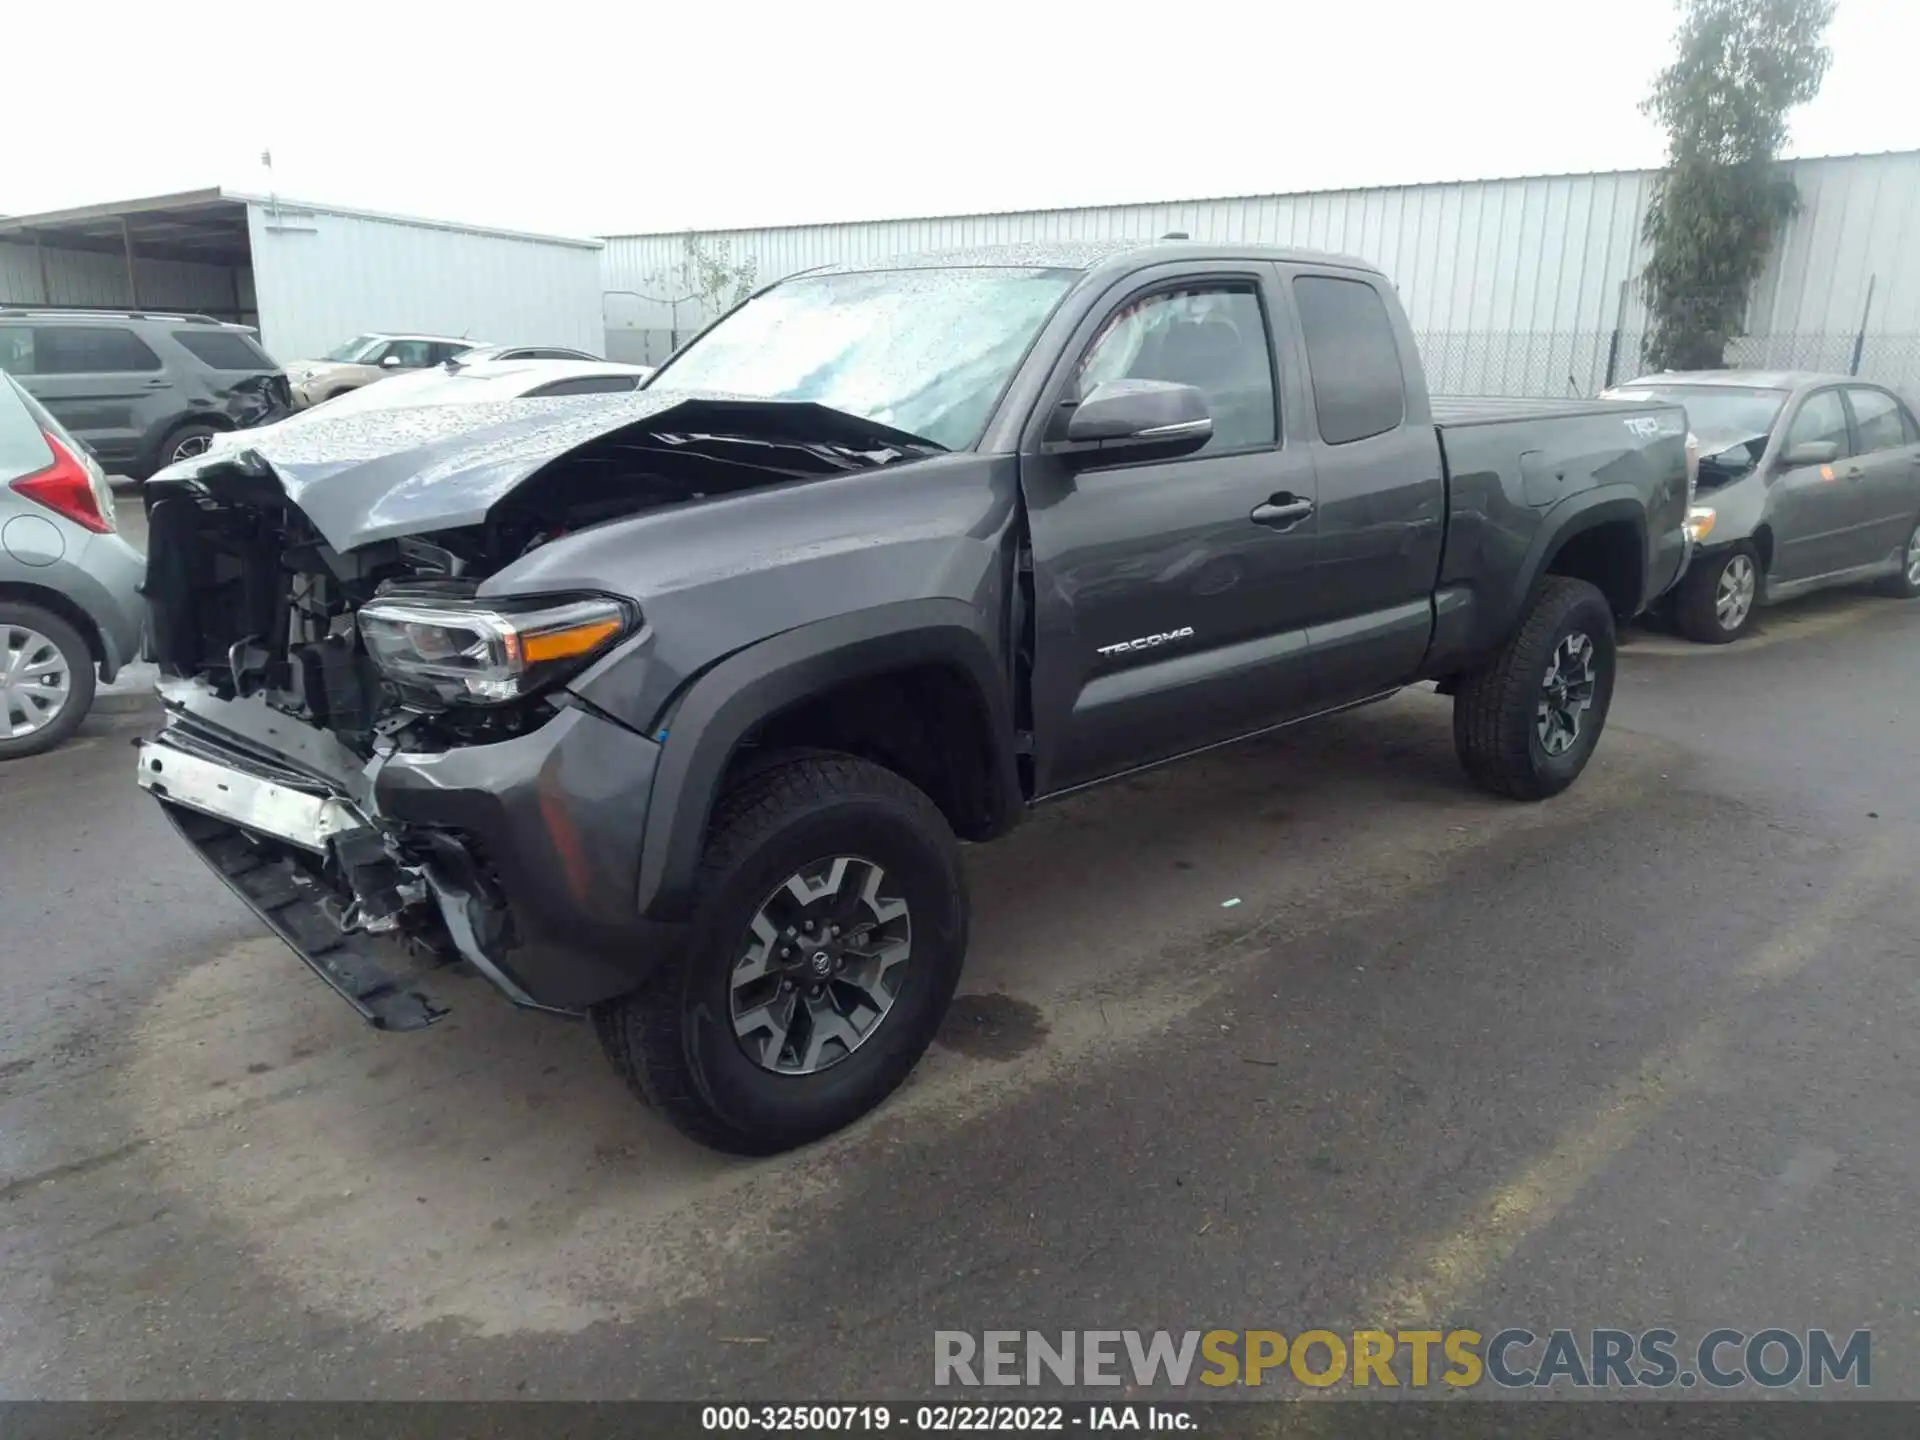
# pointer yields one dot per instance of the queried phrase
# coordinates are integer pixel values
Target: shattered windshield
(925, 351)
(354, 349)
(1731, 410)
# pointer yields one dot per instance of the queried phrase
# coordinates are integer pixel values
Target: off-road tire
(73, 649)
(1694, 614)
(673, 1040)
(1495, 710)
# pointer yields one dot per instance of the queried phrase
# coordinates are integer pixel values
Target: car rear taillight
(69, 487)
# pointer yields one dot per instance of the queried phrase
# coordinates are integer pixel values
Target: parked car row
(1806, 481)
(141, 388)
(70, 601)
(367, 358)
(133, 392)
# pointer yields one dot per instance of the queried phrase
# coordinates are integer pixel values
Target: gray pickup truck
(669, 709)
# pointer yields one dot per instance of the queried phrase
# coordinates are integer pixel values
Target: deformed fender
(723, 705)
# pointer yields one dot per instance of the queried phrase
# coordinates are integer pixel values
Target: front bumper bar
(211, 787)
(519, 857)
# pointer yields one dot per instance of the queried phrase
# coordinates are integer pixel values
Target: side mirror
(1810, 452)
(390, 362)
(1127, 420)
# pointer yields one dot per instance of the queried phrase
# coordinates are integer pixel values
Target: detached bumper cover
(556, 816)
(369, 973)
(520, 857)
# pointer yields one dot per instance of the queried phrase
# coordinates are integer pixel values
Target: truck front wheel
(1525, 726)
(828, 933)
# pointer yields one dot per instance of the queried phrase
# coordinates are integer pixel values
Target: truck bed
(1454, 410)
(1540, 453)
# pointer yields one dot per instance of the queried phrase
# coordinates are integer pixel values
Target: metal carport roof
(207, 226)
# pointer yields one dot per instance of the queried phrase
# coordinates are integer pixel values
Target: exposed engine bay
(410, 796)
(248, 595)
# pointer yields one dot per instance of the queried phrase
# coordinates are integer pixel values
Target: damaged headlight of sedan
(470, 653)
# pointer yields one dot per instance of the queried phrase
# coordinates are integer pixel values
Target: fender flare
(705, 726)
(1572, 516)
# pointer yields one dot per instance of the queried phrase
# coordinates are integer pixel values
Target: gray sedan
(1806, 481)
(69, 585)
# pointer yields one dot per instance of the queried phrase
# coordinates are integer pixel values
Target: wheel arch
(1600, 537)
(785, 690)
(58, 604)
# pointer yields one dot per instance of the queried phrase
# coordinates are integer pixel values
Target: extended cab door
(1383, 495)
(1171, 597)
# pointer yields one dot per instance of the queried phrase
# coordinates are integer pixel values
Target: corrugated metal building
(309, 276)
(1520, 286)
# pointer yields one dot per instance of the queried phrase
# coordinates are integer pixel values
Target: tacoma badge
(1147, 642)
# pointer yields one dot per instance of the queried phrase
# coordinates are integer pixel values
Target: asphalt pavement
(1306, 1033)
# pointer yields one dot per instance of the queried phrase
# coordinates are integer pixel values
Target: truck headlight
(475, 654)
(1700, 520)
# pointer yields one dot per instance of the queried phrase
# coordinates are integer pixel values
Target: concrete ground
(1637, 1056)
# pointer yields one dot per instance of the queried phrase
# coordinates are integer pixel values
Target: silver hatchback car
(70, 600)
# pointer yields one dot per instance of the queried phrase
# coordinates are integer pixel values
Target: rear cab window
(1353, 359)
(223, 350)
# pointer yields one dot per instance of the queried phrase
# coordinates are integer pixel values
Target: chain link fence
(1549, 363)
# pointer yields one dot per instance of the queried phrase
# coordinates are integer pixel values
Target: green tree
(1742, 66)
(716, 279)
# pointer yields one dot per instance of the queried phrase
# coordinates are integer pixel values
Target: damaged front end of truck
(372, 745)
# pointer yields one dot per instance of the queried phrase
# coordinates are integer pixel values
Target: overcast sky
(615, 118)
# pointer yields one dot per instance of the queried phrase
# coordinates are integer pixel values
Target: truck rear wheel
(829, 928)
(1526, 725)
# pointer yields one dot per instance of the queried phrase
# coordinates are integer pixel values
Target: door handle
(160, 383)
(1282, 512)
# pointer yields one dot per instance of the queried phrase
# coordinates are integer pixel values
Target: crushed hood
(1716, 442)
(379, 475)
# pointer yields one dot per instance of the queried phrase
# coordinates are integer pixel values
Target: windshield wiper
(877, 455)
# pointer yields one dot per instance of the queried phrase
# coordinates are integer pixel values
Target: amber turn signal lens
(564, 644)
